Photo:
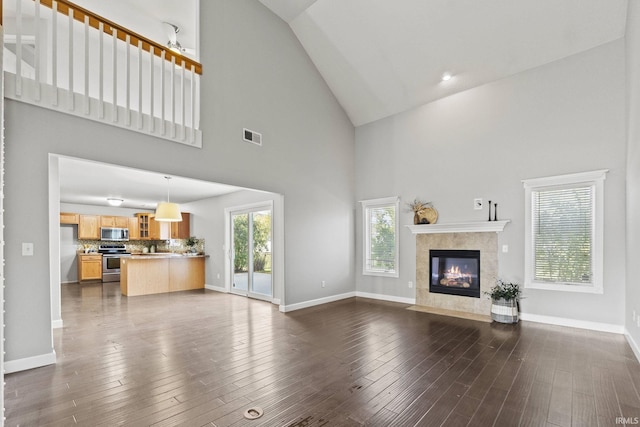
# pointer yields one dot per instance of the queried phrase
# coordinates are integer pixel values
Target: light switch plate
(27, 249)
(477, 204)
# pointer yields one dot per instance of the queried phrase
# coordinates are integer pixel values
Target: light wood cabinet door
(182, 229)
(134, 228)
(89, 267)
(114, 221)
(121, 221)
(159, 230)
(69, 218)
(143, 225)
(89, 227)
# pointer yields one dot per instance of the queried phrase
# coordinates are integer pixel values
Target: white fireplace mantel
(459, 227)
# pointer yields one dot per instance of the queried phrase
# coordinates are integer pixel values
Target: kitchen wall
(69, 236)
(256, 76)
(567, 116)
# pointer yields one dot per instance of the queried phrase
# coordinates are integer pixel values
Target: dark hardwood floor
(203, 358)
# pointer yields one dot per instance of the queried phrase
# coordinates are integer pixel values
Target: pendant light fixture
(167, 211)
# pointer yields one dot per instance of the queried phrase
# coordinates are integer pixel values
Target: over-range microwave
(114, 234)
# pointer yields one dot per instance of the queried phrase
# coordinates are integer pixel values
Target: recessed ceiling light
(114, 202)
(446, 77)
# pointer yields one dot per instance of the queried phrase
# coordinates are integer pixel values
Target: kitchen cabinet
(114, 221)
(146, 274)
(159, 230)
(89, 267)
(69, 218)
(143, 225)
(89, 227)
(134, 228)
(150, 229)
(181, 230)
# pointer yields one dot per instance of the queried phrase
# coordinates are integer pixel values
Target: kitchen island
(161, 273)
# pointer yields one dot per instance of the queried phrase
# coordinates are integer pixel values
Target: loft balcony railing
(60, 56)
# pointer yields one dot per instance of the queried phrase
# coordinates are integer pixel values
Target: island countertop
(146, 274)
(161, 255)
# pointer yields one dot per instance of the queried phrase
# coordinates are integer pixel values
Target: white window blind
(380, 237)
(563, 235)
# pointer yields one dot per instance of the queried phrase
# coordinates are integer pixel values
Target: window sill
(394, 274)
(584, 289)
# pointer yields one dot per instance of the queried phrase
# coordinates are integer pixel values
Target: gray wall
(564, 117)
(256, 75)
(632, 296)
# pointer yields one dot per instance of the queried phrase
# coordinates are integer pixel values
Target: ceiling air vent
(251, 136)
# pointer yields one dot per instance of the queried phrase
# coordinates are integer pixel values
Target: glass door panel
(251, 253)
(261, 283)
(240, 253)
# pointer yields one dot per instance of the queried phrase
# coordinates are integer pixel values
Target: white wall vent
(251, 136)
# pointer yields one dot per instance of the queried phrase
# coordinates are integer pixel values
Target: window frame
(594, 179)
(367, 205)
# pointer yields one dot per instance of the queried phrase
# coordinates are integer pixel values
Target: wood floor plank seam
(202, 358)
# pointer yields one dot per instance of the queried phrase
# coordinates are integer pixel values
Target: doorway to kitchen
(251, 251)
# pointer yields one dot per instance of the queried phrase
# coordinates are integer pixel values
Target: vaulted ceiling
(383, 57)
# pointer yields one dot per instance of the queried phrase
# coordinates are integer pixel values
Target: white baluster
(87, 100)
(162, 91)
(139, 84)
(38, 47)
(114, 35)
(71, 53)
(151, 74)
(183, 102)
(18, 48)
(173, 96)
(101, 70)
(54, 52)
(193, 104)
(127, 118)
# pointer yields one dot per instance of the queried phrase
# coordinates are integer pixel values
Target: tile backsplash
(137, 246)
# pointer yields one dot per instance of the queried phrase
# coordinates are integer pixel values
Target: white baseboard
(275, 301)
(319, 301)
(632, 343)
(18, 365)
(391, 298)
(56, 324)
(216, 288)
(573, 323)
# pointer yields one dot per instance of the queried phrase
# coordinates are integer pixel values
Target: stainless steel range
(111, 255)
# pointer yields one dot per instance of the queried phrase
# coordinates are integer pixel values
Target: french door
(251, 252)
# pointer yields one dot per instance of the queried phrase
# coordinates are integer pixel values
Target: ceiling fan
(173, 44)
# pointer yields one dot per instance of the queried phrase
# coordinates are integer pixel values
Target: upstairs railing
(61, 56)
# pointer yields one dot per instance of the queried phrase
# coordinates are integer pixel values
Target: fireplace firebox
(455, 272)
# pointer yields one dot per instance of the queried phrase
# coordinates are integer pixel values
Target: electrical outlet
(477, 204)
(410, 285)
(323, 283)
(505, 248)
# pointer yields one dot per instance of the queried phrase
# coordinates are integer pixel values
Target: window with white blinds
(380, 254)
(564, 232)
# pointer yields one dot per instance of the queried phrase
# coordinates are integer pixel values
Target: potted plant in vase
(505, 297)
